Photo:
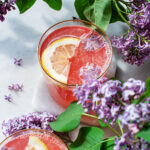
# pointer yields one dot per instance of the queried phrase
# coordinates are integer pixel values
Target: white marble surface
(19, 36)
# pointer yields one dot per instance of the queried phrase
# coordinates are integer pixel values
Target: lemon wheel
(36, 144)
(55, 59)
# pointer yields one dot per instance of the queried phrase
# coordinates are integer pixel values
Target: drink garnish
(36, 144)
(89, 72)
(55, 59)
(92, 41)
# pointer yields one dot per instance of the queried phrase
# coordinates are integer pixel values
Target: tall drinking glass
(31, 139)
(64, 49)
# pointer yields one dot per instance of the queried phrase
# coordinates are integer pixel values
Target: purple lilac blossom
(35, 120)
(8, 98)
(87, 93)
(132, 89)
(15, 87)
(128, 142)
(135, 116)
(6, 6)
(135, 44)
(109, 106)
(92, 41)
(106, 97)
(18, 62)
(89, 72)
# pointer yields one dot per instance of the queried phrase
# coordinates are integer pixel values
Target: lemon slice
(55, 59)
(36, 144)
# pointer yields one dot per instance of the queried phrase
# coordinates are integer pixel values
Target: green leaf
(24, 5)
(115, 16)
(55, 4)
(102, 124)
(148, 85)
(99, 13)
(89, 138)
(109, 145)
(135, 101)
(80, 5)
(68, 120)
(147, 93)
(144, 133)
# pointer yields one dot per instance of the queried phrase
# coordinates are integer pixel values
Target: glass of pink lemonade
(33, 139)
(64, 49)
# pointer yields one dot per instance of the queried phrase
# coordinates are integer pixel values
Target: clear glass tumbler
(61, 92)
(39, 138)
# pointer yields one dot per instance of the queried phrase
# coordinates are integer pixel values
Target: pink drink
(62, 91)
(33, 140)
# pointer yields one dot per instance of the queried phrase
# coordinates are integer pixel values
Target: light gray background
(19, 37)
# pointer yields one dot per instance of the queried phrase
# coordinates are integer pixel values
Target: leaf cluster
(24, 5)
(89, 138)
(99, 12)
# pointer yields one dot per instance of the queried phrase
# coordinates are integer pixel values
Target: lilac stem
(119, 12)
(109, 126)
(107, 140)
(125, 3)
(121, 129)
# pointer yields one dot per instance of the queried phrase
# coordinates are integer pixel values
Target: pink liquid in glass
(63, 93)
(21, 142)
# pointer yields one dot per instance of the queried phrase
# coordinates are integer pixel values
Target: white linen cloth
(19, 37)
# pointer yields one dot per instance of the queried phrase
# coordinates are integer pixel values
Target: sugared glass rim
(34, 130)
(76, 20)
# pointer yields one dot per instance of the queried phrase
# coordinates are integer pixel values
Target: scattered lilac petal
(8, 98)
(15, 87)
(18, 62)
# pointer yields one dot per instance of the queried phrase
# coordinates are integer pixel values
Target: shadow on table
(125, 71)
(62, 15)
(23, 44)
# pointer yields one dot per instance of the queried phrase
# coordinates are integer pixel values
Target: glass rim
(76, 20)
(24, 130)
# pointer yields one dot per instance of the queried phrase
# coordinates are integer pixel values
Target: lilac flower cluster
(108, 106)
(132, 89)
(15, 87)
(87, 94)
(135, 116)
(35, 120)
(128, 142)
(6, 6)
(135, 44)
(92, 41)
(106, 97)
(18, 62)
